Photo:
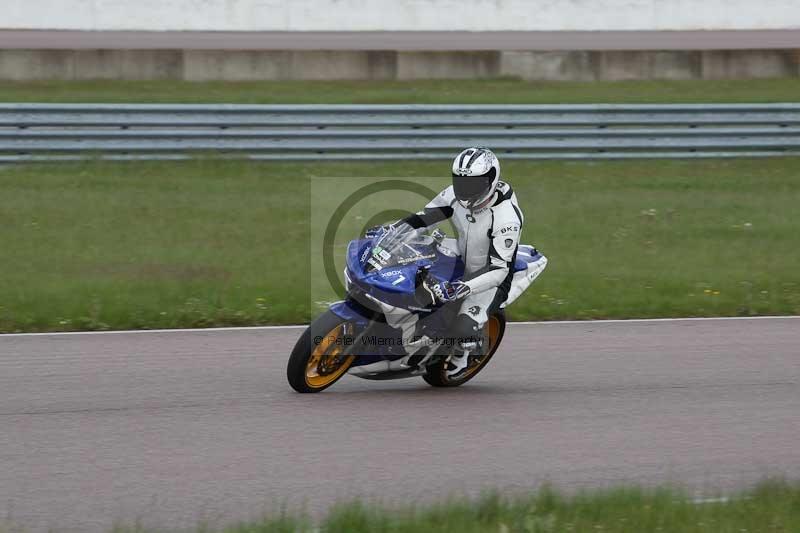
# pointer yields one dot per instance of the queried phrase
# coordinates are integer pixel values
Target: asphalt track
(175, 428)
(401, 40)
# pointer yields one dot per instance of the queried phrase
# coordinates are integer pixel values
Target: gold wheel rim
(318, 374)
(491, 333)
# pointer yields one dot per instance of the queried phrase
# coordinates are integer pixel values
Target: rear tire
(495, 328)
(317, 362)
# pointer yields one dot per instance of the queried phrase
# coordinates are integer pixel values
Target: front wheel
(493, 332)
(319, 358)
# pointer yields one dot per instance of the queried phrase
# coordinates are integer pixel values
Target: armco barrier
(30, 132)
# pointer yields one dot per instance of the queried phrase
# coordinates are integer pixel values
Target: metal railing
(30, 132)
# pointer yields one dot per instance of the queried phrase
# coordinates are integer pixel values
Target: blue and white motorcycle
(387, 278)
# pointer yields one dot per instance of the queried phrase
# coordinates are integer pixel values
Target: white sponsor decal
(510, 228)
(407, 260)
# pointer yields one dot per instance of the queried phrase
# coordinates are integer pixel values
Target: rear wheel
(493, 333)
(319, 358)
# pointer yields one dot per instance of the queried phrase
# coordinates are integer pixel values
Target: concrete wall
(399, 15)
(200, 65)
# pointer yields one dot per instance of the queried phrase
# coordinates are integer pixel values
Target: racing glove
(445, 291)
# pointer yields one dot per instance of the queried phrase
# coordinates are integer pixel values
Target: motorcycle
(387, 279)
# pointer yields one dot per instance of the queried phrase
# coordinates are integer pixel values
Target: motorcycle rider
(488, 220)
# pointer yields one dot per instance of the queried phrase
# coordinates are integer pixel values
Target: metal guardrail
(30, 132)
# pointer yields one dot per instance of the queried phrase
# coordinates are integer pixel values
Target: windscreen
(401, 245)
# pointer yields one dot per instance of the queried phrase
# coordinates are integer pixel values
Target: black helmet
(476, 173)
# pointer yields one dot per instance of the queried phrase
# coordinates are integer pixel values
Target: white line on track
(300, 326)
(637, 320)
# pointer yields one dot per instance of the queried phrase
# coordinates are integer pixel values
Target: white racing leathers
(488, 239)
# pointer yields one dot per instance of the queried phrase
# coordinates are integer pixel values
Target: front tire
(319, 358)
(495, 328)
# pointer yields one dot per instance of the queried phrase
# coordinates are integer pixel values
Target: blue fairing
(396, 285)
(392, 285)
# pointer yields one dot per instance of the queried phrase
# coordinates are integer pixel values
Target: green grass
(211, 243)
(150, 245)
(771, 507)
(493, 91)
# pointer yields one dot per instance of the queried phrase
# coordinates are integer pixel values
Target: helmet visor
(471, 188)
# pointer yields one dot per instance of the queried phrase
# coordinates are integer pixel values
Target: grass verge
(771, 507)
(102, 245)
(490, 91)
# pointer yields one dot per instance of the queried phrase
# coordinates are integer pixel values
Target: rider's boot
(467, 345)
(458, 363)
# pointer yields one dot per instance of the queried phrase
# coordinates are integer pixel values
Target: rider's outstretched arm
(437, 210)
